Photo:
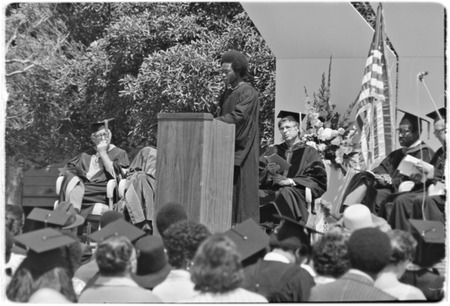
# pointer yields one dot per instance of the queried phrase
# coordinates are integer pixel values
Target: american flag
(375, 110)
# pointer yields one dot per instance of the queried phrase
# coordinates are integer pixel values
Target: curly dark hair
(169, 214)
(217, 266)
(113, 255)
(182, 240)
(330, 254)
(403, 246)
(238, 61)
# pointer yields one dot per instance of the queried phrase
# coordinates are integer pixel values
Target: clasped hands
(277, 178)
(383, 179)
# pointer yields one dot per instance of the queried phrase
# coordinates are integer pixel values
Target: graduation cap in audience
(415, 121)
(438, 114)
(430, 236)
(74, 219)
(49, 217)
(295, 115)
(44, 240)
(119, 227)
(292, 233)
(249, 238)
(103, 124)
(48, 248)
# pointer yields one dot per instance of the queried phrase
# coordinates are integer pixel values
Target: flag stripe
(374, 102)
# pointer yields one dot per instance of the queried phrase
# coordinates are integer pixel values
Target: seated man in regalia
(286, 187)
(373, 187)
(87, 174)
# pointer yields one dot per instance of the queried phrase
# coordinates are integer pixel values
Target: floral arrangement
(327, 131)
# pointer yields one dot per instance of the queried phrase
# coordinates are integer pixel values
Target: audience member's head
(403, 247)
(252, 242)
(50, 263)
(152, 264)
(291, 236)
(330, 254)
(358, 216)
(14, 218)
(169, 214)
(217, 266)
(369, 250)
(115, 256)
(182, 240)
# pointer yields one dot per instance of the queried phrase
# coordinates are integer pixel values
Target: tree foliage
(38, 52)
(124, 60)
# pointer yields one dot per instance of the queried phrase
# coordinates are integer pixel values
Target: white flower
(341, 131)
(334, 133)
(325, 134)
(321, 147)
(339, 160)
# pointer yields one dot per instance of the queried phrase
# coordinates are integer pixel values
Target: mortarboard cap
(104, 124)
(49, 217)
(283, 114)
(430, 236)
(43, 240)
(74, 219)
(435, 114)
(248, 237)
(119, 227)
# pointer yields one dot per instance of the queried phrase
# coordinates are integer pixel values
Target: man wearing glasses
(428, 204)
(285, 188)
(371, 188)
(87, 174)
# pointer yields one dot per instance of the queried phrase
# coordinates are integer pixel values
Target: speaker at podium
(195, 165)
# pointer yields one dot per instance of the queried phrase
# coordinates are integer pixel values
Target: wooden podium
(195, 163)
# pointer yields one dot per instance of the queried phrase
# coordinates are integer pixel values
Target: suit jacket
(350, 287)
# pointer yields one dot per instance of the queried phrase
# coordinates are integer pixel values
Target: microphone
(422, 74)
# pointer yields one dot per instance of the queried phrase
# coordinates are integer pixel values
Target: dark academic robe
(306, 170)
(431, 208)
(277, 281)
(376, 193)
(241, 108)
(397, 208)
(95, 187)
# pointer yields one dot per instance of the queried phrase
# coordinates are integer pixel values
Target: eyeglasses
(403, 132)
(437, 132)
(101, 135)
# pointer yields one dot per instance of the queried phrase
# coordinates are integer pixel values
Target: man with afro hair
(239, 105)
